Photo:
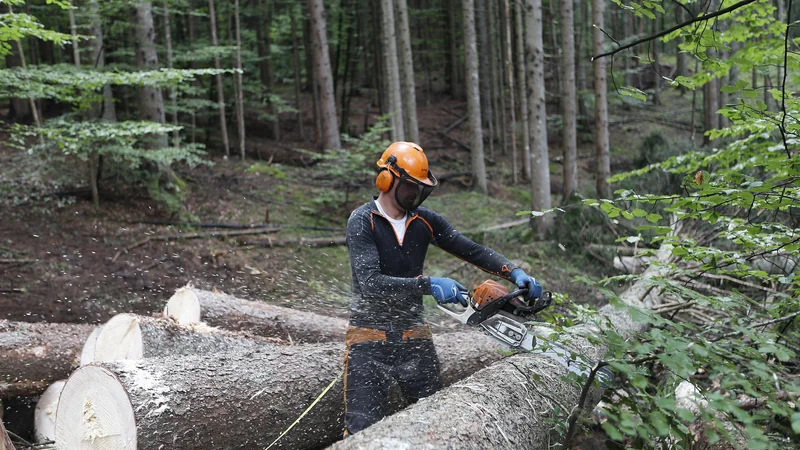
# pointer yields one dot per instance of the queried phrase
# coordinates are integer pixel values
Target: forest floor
(69, 269)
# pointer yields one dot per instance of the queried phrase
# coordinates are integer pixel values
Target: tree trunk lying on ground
(229, 400)
(33, 355)
(129, 336)
(190, 305)
(512, 403)
(5, 442)
(44, 417)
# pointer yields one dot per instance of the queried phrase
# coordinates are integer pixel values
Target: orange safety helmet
(409, 158)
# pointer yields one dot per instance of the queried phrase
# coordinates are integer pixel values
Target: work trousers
(373, 359)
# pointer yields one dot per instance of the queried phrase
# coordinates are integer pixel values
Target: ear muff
(384, 180)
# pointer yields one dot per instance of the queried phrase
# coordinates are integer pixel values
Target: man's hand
(525, 281)
(445, 290)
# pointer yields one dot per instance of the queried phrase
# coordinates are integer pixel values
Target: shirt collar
(374, 208)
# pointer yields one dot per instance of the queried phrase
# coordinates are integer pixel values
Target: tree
(511, 88)
(323, 78)
(223, 122)
(568, 101)
(240, 86)
(392, 70)
(473, 98)
(519, 30)
(537, 117)
(151, 102)
(409, 96)
(602, 157)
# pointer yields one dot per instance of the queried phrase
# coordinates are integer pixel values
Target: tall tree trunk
(710, 108)
(581, 57)
(104, 109)
(511, 90)
(407, 73)
(495, 77)
(455, 71)
(323, 77)
(172, 96)
(151, 102)
(484, 75)
(297, 79)
(568, 98)
(519, 30)
(473, 98)
(34, 109)
(267, 71)
(657, 61)
(540, 160)
(240, 95)
(603, 159)
(223, 123)
(680, 70)
(196, 83)
(73, 28)
(393, 90)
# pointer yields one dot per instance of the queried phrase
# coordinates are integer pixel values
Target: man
(387, 239)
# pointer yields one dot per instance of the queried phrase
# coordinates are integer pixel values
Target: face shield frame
(414, 191)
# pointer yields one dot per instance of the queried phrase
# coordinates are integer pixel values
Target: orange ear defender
(385, 178)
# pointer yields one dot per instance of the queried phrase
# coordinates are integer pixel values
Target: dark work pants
(370, 368)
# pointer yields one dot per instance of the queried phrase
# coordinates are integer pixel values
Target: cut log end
(44, 417)
(87, 353)
(95, 413)
(120, 338)
(183, 306)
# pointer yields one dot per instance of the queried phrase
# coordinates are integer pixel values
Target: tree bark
(511, 89)
(173, 100)
(128, 336)
(519, 30)
(569, 103)
(407, 84)
(297, 79)
(239, 95)
(190, 305)
(151, 102)
(167, 402)
(482, 29)
(537, 116)
(5, 441)
(603, 159)
(531, 384)
(452, 25)
(473, 98)
(33, 355)
(223, 123)
(323, 77)
(393, 90)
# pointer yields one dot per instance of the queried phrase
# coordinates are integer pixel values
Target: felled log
(44, 416)
(632, 264)
(231, 400)
(513, 402)
(34, 355)
(190, 305)
(87, 352)
(5, 441)
(130, 336)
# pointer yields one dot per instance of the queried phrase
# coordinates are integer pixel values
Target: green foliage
(16, 26)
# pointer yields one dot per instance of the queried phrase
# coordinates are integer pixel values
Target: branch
(573, 416)
(760, 324)
(676, 27)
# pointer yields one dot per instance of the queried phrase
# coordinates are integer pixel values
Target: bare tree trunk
(519, 30)
(73, 28)
(484, 75)
(297, 81)
(455, 81)
(540, 160)
(568, 98)
(264, 37)
(603, 159)
(580, 49)
(172, 96)
(240, 95)
(511, 88)
(151, 102)
(407, 73)
(681, 56)
(495, 77)
(152, 401)
(393, 90)
(710, 108)
(656, 24)
(223, 123)
(34, 109)
(473, 98)
(33, 355)
(323, 77)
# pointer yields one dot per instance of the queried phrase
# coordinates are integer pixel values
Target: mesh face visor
(410, 192)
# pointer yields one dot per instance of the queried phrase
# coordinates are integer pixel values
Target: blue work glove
(445, 290)
(523, 281)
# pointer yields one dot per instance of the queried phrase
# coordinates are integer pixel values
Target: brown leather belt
(356, 335)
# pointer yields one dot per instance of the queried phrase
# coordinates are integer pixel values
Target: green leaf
(639, 212)
(796, 422)
(653, 217)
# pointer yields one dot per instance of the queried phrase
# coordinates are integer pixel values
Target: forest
(177, 179)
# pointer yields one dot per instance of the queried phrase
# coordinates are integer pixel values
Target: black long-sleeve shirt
(387, 277)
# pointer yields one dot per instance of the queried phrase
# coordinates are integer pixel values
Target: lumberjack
(387, 239)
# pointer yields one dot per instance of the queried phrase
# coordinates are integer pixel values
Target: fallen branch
(453, 125)
(302, 242)
(12, 290)
(233, 226)
(17, 261)
(174, 237)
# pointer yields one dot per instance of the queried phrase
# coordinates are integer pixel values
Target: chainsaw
(504, 315)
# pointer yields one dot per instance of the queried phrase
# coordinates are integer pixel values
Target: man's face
(407, 194)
